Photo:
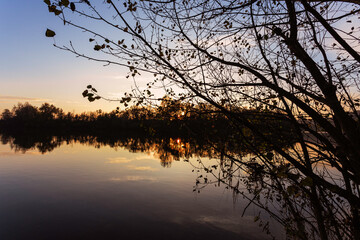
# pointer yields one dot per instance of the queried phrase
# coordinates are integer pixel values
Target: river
(88, 190)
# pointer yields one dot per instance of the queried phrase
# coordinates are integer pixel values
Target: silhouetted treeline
(171, 118)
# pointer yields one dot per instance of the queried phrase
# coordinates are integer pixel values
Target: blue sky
(33, 70)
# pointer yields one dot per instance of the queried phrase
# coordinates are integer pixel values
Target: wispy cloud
(123, 77)
(16, 98)
(73, 102)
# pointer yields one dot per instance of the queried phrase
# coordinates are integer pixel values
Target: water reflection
(280, 195)
(85, 190)
(166, 150)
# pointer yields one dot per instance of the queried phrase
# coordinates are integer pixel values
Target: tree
(25, 112)
(296, 58)
(49, 111)
(6, 115)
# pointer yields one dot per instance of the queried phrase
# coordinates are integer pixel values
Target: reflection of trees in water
(166, 149)
(283, 192)
(276, 187)
(43, 144)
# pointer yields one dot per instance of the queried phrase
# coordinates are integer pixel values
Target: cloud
(123, 77)
(16, 98)
(73, 102)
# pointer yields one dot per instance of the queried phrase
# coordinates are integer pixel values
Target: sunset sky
(33, 70)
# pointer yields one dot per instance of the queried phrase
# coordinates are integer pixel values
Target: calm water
(79, 191)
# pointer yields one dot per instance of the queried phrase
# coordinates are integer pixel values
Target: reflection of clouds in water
(244, 226)
(233, 224)
(114, 160)
(13, 154)
(147, 157)
(142, 168)
(133, 179)
(119, 160)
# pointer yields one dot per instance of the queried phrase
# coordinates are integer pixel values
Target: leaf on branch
(65, 2)
(97, 47)
(89, 86)
(86, 1)
(91, 39)
(72, 6)
(57, 12)
(85, 93)
(49, 33)
(52, 8)
(47, 2)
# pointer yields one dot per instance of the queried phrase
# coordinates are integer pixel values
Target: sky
(33, 70)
